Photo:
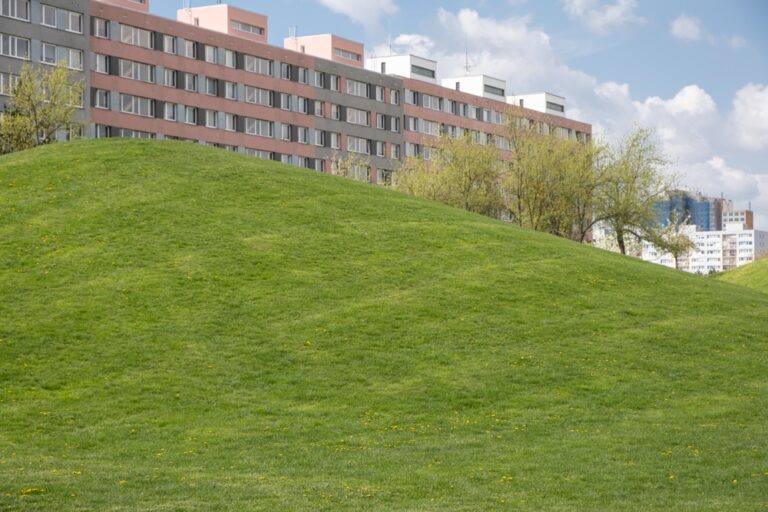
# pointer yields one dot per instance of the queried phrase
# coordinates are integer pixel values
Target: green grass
(186, 329)
(754, 275)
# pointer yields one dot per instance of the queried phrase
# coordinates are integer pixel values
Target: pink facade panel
(227, 20)
(139, 5)
(330, 47)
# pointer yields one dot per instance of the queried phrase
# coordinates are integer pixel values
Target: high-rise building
(211, 77)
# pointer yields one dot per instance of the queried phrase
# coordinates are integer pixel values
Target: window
(100, 28)
(12, 46)
(421, 71)
(137, 105)
(101, 63)
(170, 112)
(380, 149)
(357, 145)
(356, 88)
(258, 96)
(319, 80)
(18, 9)
(190, 115)
(335, 112)
(51, 54)
(48, 54)
(137, 71)
(8, 82)
(169, 44)
(211, 119)
(73, 22)
(335, 140)
(346, 54)
(379, 93)
(335, 81)
(320, 137)
(285, 71)
(135, 36)
(190, 49)
(285, 131)
(380, 121)
(170, 77)
(190, 82)
(245, 27)
(259, 127)
(230, 59)
(302, 105)
(430, 128)
(395, 151)
(285, 101)
(431, 102)
(302, 135)
(211, 86)
(395, 127)
(230, 122)
(394, 97)
(211, 54)
(490, 89)
(355, 116)
(556, 107)
(48, 17)
(411, 97)
(319, 107)
(303, 75)
(101, 99)
(230, 90)
(258, 65)
(266, 155)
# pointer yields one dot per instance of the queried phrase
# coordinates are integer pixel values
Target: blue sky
(696, 71)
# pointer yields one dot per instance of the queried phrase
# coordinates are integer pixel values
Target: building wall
(39, 34)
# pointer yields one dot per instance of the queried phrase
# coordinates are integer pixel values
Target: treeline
(548, 183)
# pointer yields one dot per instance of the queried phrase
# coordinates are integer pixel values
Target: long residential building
(210, 76)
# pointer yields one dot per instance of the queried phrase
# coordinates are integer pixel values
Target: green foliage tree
(634, 181)
(672, 238)
(43, 102)
(459, 173)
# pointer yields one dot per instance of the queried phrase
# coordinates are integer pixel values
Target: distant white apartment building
(715, 251)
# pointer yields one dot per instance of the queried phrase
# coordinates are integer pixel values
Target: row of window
(19, 48)
(50, 16)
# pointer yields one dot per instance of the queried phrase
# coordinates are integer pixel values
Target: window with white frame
(100, 28)
(12, 46)
(381, 149)
(379, 93)
(285, 131)
(358, 117)
(302, 135)
(259, 127)
(135, 36)
(18, 9)
(430, 128)
(303, 74)
(394, 97)
(211, 119)
(431, 102)
(319, 79)
(101, 99)
(230, 122)
(285, 101)
(230, 59)
(356, 88)
(169, 113)
(246, 27)
(211, 54)
(137, 71)
(381, 121)
(348, 55)
(230, 90)
(335, 81)
(319, 137)
(258, 65)
(211, 86)
(8, 83)
(169, 44)
(70, 57)
(190, 82)
(101, 63)
(319, 107)
(285, 71)
(357, 145)
(395, 151)
(190, 114)
(395, 126)
(137, 105)
(258, 153)
(335, 112)
(258, 96)
(170, 77)
(302, 105)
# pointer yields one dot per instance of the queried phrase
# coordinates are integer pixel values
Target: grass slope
(186, 329)
(754, 275)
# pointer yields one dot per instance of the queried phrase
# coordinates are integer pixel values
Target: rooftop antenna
(389, 35)
(466, 54)
(292, 31)
(187, 5)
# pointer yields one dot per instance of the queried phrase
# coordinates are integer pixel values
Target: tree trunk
(620, 240)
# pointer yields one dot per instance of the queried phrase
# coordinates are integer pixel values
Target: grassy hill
(754, 275)
(183, 328)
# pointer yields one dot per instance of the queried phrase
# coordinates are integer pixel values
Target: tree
(43, 102)
(459, 173)
(349, 165)
(635, 180)
(551, 183)
(672, 238)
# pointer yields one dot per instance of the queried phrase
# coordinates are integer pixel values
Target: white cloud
(737, 42)
(601, 17)
(686, 28)
(367, 15)
(749, 119)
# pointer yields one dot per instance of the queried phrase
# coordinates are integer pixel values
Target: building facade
(211, 77)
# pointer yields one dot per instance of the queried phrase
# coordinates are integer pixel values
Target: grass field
(182, 329)
(754, 275)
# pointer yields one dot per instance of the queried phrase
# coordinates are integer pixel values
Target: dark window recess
(220, 88)
(240, 124)
(200, 117)
(239, 60)
(326, 139)
(479, 114)
(93, 97)
(159, 109)
(294, 134)
(387, 123)
(342, 113)
(556, 107)
(418, 70)
(114, 66)
(180, 80)
(276, 157)
(157, 41)
(310, 107)
(294, 73)
(326, 82)
(370, 91)
(498, 91)
(310, 163)
(200, 51)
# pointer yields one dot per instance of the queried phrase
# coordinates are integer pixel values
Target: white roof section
(407, 66)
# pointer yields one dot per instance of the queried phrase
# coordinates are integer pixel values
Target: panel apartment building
(211, 77)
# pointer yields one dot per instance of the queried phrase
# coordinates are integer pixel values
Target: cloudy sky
(696, 71)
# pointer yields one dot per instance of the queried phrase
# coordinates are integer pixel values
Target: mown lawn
(754, 275)
(186, 329)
